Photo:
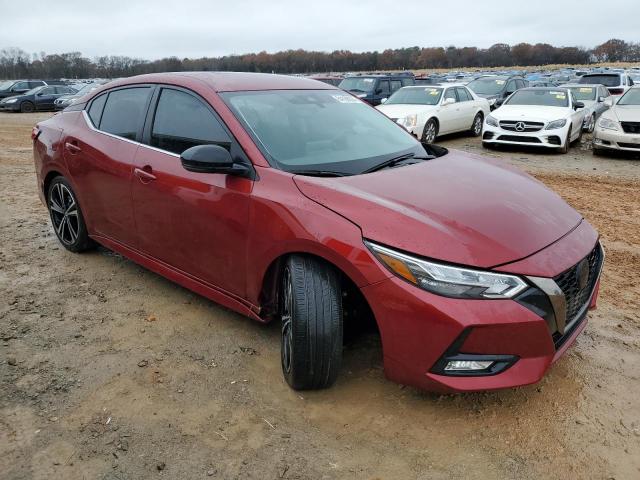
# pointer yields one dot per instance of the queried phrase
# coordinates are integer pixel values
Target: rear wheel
(476, 126)
(27, 107)
(311, 313)
(430, 131)
(66, 216)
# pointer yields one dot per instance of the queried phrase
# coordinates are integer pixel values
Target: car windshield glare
(632, 97)
(357, 83)
(416, 96)
(584, 93)
(545, 98)
(487, 86)
(319, 129)
(606, 80)
(6, 85)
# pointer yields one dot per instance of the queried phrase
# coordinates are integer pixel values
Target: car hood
(627, 113)
(459, 208)
(530, 112)
(402, 110)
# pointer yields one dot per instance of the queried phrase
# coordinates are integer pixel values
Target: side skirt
(184, 279)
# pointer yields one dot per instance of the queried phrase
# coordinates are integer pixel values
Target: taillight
(35, 132)
(616, 91)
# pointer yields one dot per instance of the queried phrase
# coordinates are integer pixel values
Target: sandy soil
(108, 371)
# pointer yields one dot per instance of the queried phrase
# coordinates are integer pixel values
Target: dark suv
(11, 88)
(496, 88)
(374, 88)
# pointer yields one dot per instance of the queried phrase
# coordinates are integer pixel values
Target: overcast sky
(194, 28)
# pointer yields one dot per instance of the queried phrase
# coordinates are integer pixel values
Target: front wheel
(66, 216)
(476, 126)
(591, 125)
(27, 107)
(430, 132)
(311, 314)
(567, 143)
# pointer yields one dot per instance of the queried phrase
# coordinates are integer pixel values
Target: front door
(194, 222)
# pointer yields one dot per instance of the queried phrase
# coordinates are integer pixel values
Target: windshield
(606, 80)
(319, 130)
(632, 97)
(6, 85)
(546, 98)
(416, 96)
(584, 93)
(358, 83)
(33, 91)
(487, 86)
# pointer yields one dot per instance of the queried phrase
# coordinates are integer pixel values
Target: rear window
(584, 93)
(95, 110)
(606, 80)
(124, 111)
(546, 98)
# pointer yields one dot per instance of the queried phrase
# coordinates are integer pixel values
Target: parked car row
(39, 95)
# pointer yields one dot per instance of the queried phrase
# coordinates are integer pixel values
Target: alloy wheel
(477, 125)
(430, 133)
(287, 326)
(64, 213)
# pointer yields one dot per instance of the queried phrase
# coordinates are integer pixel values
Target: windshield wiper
(318, 173)
(396, 160)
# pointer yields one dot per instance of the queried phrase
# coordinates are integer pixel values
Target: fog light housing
(467, 365)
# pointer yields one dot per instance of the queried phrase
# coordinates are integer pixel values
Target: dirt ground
(108, 371)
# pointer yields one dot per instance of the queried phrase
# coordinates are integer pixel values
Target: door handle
(144, 174)
(72, 147)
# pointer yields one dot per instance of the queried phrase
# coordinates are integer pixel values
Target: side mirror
(578, 105)
(608, 102)
(499, 101)
(600, 99)
(211, 159)
(448, 101)
(382, 100)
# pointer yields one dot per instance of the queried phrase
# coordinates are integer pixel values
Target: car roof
(230, 81)
(581, 85)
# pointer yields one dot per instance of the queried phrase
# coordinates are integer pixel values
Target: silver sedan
(593, 96)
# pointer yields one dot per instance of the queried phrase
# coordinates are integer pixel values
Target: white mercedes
(430, 111)
(543, 117)
(619, 127)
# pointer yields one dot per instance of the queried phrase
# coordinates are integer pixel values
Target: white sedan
(619, 127)
(430, 111)
(542, 117)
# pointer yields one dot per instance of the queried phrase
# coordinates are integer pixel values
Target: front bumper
(420, 329)
(10, 107)
(542, 138)
(616, 140)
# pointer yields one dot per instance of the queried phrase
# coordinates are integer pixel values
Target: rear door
(100, 155)
(45, 97)
(195, 222)
(467, 108)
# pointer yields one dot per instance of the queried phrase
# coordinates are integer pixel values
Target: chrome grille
(521, 126)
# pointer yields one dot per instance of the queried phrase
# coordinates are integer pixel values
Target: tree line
(16, 63)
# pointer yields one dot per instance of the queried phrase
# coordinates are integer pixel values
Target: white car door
(449, 115)
(468, 108)
(577, 117)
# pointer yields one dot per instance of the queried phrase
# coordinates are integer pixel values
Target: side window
(463, 95)
(124, 111)
(450, 93)
(511, 86)
(35, 84)
(520, 84)
(408, 81)
(64, 90)
(21, 86)
(47, 91)
(95, 110)
(384, 86)
(183, 121)
(395, 85)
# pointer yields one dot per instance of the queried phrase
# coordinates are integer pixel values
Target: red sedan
(288, 199)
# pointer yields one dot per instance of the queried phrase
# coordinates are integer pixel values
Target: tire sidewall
(27, 107)
(431, 121)
(82, 241)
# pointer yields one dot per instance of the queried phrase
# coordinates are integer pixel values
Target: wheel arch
(48, 179)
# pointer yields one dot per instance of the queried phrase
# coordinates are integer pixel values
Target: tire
(66, 216)
(476, 126)
(567, 143)
(578, 140)
(592, 123)
(312, 331)
(27, 107)
(430, 131)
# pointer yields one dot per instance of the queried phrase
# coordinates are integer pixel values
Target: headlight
(11, 100)
(608, 124)
(447, 280)
(557, 124)
(492, 121)
(409, 120)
